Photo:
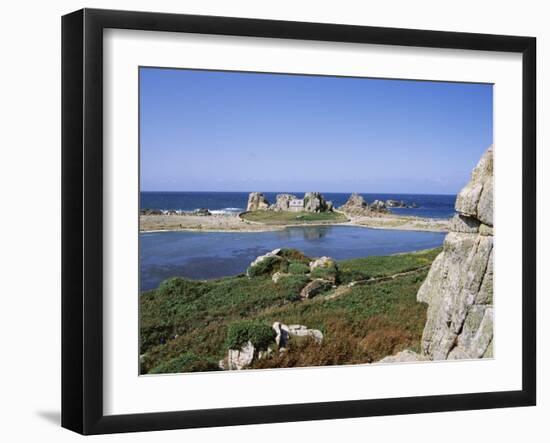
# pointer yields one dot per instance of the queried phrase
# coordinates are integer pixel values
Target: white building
(296, 205)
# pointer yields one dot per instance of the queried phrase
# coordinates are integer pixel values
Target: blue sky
(224, 131)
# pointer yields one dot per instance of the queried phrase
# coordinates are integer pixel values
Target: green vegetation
(186, 362)
(261, 335)
(382, 266)
(268, 266)
(187, 325)
(288, 217)
(297, 268)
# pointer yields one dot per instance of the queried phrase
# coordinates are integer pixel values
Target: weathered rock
(278, 275)
(314, 287)
(485, 230)
(451, 288)
(465, 224)
(150, 212)
(238, 359)
(314, 202)
(304, 331)
(378, 205)
(322, 262)
(284, 332)
(261, 258)
(459, 285)
(476, 198)
(324, 268)
(257, 202)
(267, 264)
(405, 356)
(202, 211)
(396, 204)
(356, 205)
(283, 201)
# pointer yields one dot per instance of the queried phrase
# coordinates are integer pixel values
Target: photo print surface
(298, 220)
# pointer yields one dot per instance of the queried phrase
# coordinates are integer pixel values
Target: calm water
(435, 206)
(206, 255)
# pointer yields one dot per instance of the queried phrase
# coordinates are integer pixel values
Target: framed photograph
(269, 221)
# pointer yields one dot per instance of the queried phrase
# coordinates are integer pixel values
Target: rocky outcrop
(314, 287)
(238, 359)
(202, 211)
(396, 204)
(315, 202)
(325, 268)
(284, 332)
(476, 199)
(356, 205)
(283, 201)
(257, 202)
(405, 356)
(459, 285)
(267, 264)
(378, 205)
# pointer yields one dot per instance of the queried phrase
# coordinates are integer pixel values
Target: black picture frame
(82, 218)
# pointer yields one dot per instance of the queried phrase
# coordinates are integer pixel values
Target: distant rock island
(311, 202)
(316, 202)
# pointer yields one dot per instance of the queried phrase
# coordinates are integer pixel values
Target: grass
(382, 266)
(288, 217)
(200, 319)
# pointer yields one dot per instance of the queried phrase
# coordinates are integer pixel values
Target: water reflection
(311, 233)
(205, 255)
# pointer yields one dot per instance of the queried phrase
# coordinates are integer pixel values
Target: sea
(428, 205)
(209, 255)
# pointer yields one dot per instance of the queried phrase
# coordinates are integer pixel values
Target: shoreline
(234, 223)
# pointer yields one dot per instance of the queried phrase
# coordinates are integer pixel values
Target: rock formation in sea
(312, 202)
(315, 202)
(378, 205)
(356, 205)
(459, 285)
(257, 201)
(283, 202)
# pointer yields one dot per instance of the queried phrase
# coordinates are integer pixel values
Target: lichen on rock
(459, 285)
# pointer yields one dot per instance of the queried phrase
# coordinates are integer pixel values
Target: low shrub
(178, 286)
(298, 268)
(268, 266)
(294, 255)
(186, 362)
(326, 273)
(259, 334)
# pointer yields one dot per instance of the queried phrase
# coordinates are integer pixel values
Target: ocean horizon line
(299, 192)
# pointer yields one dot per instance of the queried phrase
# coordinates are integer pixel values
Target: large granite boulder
(476, 198)
(314, 288)
(378, 205)
(283, 201)
(257, 202)
(395, 203)
(284, 332)
(315, 202)
(238, 359)
(267, 264)
(459, 285)
(356, 205)
(405, 356)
